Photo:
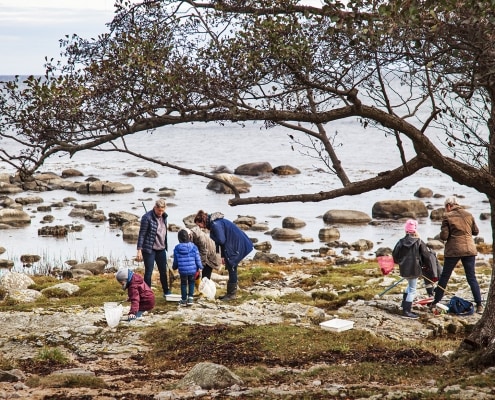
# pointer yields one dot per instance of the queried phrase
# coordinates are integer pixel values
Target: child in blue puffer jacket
(188, 262)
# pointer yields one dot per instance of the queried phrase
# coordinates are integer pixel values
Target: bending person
(233, 243)
(207, 250)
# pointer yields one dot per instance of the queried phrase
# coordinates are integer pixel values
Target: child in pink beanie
(408, 253)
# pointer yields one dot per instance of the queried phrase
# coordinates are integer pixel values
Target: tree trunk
(483, 335)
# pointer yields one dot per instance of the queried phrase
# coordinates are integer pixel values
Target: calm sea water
(206, 146)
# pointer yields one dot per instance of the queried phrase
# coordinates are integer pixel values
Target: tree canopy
(422, 72)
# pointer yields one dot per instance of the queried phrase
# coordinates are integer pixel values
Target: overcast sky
(31, 29)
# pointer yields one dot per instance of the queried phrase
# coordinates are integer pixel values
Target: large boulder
(346, 217)
(95, 267)
(15, 281)
(396, 209)
(283, 234)
(293, 223)
(254, 169)
(240, 184)
(99, 187)
(208, 375)
(130, 231)
(7, 188)
(14, 217)
(286, 170)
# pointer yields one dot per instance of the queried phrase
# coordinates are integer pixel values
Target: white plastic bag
(113, 312)
(208, 288)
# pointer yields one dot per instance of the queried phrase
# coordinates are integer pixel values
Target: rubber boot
(429, 291)
(404, 296)
(406, 312)
(231, 292)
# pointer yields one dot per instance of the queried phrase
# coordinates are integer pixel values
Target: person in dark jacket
(458, 228)
(188, 262)
(139, 293)
(409, 253)
(232, 242)
(152, 244)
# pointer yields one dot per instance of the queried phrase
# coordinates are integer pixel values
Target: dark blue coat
(186, 258)
(233, 242)
(147, 231)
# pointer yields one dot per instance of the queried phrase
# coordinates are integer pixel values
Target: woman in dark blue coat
(233, 243)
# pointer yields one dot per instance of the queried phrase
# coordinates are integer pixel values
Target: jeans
(449, 263)
(232, 272)
(411, 289)
(187, 285)
(160, 257)
(139, 314)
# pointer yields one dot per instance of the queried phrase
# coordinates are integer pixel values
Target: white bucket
(113, 312)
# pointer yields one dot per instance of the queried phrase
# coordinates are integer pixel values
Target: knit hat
(411, 226)
(122, 274)
(183, 236)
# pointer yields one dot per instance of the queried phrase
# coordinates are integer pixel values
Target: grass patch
(53, 355)
(67, 381)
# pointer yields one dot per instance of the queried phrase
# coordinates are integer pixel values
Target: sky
(30, 30)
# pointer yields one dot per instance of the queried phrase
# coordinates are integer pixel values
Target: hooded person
(408, 253)
(232, 243)
(139, 293)
(188, 262)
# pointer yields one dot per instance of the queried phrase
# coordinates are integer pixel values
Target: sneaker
(182, 303)
(189, 301)
(479, 309)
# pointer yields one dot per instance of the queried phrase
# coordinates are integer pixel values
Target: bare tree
(416, 70)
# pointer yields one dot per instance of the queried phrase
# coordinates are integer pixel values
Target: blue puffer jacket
(233, 242)
(147, 231)
(187, 259)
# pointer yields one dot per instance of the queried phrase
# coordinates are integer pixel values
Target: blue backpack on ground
(459, 306)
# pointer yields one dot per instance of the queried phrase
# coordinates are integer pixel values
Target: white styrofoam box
(172, 297)
(337, 325)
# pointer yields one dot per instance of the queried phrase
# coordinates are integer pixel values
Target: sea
(204, 147)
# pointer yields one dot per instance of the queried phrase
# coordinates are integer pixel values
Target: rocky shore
(113, 354)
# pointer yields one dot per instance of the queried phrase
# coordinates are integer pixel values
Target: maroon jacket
(140, 294)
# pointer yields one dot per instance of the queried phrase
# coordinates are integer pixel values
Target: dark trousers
(449, 263)
(206, 271)
(160, 257)
(232, 269)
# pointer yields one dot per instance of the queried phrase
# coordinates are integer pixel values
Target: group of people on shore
(413, 256)
(200, 253)
(213, 241)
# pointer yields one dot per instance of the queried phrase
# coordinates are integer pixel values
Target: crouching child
(139, 293)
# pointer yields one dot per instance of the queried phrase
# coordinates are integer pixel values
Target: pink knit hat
(411, 226)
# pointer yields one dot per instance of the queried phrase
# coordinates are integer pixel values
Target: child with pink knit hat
(408, 253)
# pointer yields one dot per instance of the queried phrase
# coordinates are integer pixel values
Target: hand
(139, 256)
